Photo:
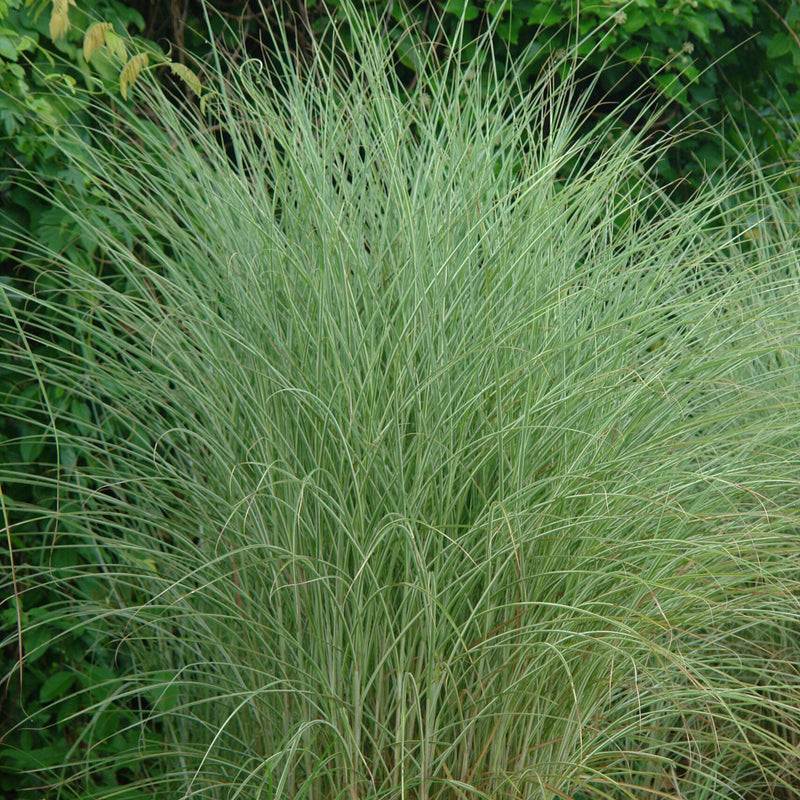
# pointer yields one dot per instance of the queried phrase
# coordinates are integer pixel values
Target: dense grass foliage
(733, 65)
(432, 453)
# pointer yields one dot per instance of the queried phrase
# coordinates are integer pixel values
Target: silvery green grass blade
(415, 444)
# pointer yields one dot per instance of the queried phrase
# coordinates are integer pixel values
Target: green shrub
(727, 65)
(49, 68)
(428, 455)
(30, 65)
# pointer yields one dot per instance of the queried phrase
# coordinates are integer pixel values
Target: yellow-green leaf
(95, 38)
(59, 18)
(115, 45)
(189, 77)
(131, 71)
(207, 95)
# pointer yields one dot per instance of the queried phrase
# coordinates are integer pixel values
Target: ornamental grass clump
(414, 444)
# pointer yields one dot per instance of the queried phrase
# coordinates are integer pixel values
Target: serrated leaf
(189, 77)
(131, 72)
(56, 685)
(115, 45)
(95, 38)
(59, 18)
(59, 25)
(204, 101)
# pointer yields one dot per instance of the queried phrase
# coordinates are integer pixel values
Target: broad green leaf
(56, 685)
(30, 449)
(632, 54)
(460, 8)
(780, 44)
(8, 49)
(635, 20)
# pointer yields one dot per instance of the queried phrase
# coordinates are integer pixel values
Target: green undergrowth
(414, 444)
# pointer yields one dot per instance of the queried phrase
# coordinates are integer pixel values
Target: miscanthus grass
(432, 451)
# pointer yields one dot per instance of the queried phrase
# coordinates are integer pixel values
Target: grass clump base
(431, 452)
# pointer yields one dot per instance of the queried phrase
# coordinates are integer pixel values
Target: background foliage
(730, 65)
(46, 84)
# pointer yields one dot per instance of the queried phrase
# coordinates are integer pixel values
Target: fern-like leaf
(95, 38)
(189, 77)
(131, 71)
(59, 18)
(115, 45)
